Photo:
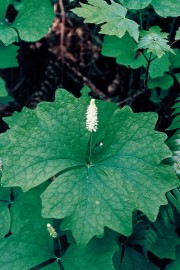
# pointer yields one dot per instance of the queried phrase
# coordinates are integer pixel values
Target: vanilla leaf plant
(101, 174)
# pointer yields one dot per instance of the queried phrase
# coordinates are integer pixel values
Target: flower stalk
(91, 123)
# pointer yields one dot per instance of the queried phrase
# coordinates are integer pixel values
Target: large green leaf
(97, 255)
(27, 207)
(24, 253)
(138, 4)
(166, 8)
(154, 41)
(125, 173)
(124, 50)
(111, 16)
(8, 56)
(30, 243)
(34, 19)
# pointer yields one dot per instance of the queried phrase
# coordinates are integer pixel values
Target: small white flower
(91, 116)
(52, 231)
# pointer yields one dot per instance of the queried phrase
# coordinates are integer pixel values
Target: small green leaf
(97, 255)
(177, 75)
(166, 8)
(177, 37)
(34, 19)
(124, 50)
(8, 56)
(174, 265)
(8, 35)
(3, 91)
(138, 4)
(164, 82)
(4, 98)
(159, 66)
(132, 260)
(166, 243)
(154, 41)
(175, 59)
(157, 96)
(111, 16)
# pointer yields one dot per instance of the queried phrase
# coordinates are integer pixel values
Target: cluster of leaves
(25, 26)
(108, 194)
(122, 41)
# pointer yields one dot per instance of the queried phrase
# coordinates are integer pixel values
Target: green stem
(61, 253)
(147, 73)
(90, 148)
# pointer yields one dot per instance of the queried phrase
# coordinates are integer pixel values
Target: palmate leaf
(154, 41)
(125, 173)
(34, 19)
(30, 13)
(124, 50)
(111, 16)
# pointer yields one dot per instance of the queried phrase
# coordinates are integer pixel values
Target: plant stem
(147, 73)
(90, 148)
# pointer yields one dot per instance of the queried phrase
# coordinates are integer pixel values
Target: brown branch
(63, 17)
(132, 97)
(86, 81)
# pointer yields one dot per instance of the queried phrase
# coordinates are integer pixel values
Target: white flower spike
(91, 116)
(52, 231)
